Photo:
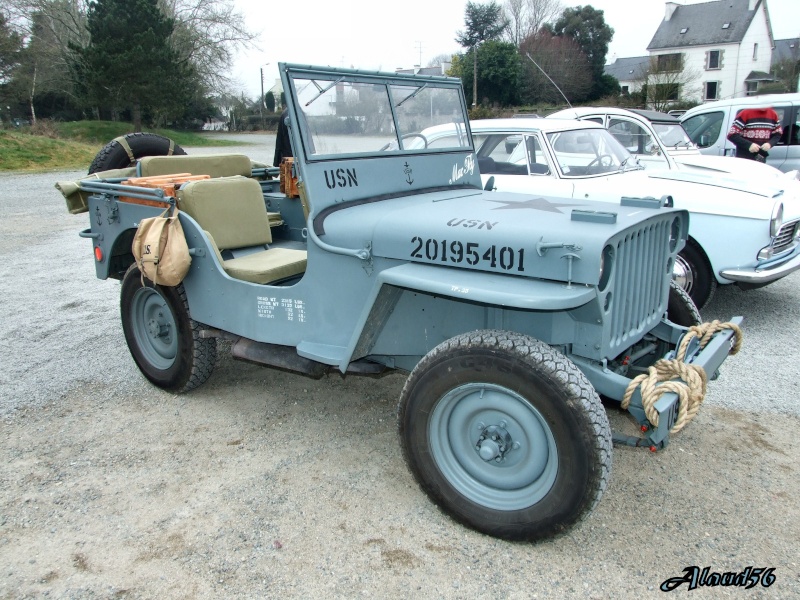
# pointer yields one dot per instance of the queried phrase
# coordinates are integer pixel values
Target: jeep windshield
(361, 115)
(582, 152)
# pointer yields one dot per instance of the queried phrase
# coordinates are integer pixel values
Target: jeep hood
(560, 239)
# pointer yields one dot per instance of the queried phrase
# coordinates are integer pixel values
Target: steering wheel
(604, 160)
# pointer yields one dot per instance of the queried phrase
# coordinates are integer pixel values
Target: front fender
(459, 285)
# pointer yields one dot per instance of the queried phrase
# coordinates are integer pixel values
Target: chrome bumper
(763, 276)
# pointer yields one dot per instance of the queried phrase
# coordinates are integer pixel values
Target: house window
(666, 91)
(714, 59)
(625, 89)
(752, 87)
(669, 63)
(755, 51)
(712, 90)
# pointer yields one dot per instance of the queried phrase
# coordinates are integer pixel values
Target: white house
(727, 44)
(630, 72)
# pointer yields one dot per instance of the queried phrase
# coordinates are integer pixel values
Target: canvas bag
(160, 249)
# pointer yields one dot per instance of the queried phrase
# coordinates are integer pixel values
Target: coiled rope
(663, 375)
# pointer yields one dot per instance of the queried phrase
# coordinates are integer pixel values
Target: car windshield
(672, 135)
(352, 115)
(583, 152)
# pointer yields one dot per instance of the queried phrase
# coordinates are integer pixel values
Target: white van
(709, 123)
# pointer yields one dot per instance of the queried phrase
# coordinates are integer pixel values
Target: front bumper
(762, 276)
(614, 385)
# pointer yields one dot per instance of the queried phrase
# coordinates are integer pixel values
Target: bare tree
(526, 17)
(207, 34)
(667, 80)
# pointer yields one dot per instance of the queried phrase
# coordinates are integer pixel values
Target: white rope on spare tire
(689, 382)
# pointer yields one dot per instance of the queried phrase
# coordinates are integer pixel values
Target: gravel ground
(263, 483)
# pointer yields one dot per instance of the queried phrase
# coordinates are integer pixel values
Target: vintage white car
(660, 141)
(742, 230)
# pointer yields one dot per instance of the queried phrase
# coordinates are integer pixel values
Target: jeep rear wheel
(163, 339)
(505, 434)
(114, 155)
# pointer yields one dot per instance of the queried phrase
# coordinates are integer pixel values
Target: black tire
(681, 309)
(550, 458)
(114, 155)
(693, 273)
(163, 339)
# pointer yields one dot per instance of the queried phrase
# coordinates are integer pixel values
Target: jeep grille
(638, 295)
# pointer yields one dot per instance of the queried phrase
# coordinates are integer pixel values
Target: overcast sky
(366, 34)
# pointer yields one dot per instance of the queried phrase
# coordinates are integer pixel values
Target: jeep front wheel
(505, 434)
(163, 339)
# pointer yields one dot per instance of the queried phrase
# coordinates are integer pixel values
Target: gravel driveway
(265, 484)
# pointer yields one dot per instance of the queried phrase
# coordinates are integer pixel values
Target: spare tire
(125, 150)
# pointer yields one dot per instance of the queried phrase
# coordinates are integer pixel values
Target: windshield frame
(389, 123)
(608, 145)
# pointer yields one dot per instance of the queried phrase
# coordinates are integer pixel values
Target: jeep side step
(286, 357)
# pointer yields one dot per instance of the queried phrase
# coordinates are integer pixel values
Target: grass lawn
(53, 146)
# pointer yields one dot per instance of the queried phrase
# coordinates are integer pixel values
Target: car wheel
(114, 155)
(505, 434)
(163, 339)
(693, 273)
(681, 309)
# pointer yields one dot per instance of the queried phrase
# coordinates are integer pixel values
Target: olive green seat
(215, 165)
(232, 212)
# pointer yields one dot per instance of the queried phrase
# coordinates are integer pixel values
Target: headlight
(776, 221)
(606, 267)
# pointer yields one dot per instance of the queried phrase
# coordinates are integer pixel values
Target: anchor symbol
(407, 171)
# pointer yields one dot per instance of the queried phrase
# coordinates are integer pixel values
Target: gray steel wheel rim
(154, 328)
(524, 475)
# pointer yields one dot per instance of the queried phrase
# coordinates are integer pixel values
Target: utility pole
(261, 100)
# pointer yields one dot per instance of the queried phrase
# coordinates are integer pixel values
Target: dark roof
(654, 116)
(759, 76)
(625, 69)
(786, 50)
(703, 24)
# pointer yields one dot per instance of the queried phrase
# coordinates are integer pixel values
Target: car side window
(704, 129)
(783, 120)
(794, 135)
(502, 154)
(633, 136)
(537, 161)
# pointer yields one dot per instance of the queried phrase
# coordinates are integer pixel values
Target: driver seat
(232, 212)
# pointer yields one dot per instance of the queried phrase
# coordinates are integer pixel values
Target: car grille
(638, 296)
(785, 237)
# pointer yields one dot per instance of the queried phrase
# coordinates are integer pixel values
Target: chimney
(671, 7)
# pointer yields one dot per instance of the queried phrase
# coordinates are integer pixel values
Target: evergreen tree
(129, 62)
(587, 26)
(483, 22)
(10, 49)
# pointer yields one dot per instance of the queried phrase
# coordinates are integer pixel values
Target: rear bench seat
(214, 165)
(232, 212)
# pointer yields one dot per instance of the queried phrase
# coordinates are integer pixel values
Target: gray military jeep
(513, 313)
